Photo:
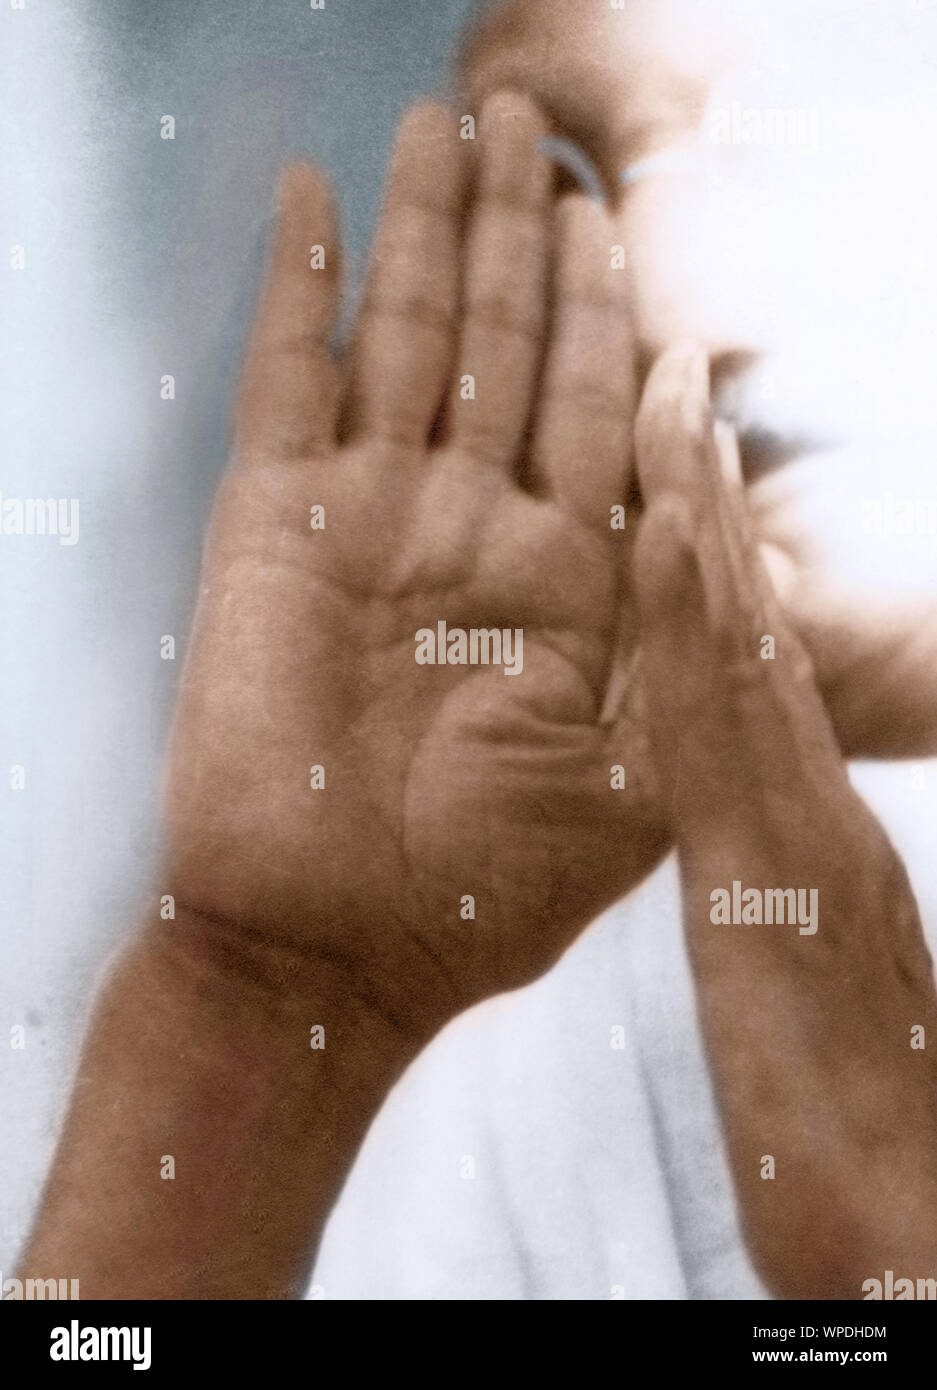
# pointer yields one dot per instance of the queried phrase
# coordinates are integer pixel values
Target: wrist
(281, 970)
(253, 1080)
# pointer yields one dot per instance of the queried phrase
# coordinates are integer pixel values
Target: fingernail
(691, 362)
(687, 368)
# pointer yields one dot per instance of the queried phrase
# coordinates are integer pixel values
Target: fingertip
(509, 107)
(677, 388)
(514, 166)
(300, 184)
(294, 175)
(424, 115)
(427, 123)
(674, 420)
(306, 217)
(287, 389)
(427, 165)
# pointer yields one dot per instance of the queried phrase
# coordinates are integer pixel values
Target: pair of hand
(466, 459)
(335, 806)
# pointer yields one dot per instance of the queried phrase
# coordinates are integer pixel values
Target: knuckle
(413, 309)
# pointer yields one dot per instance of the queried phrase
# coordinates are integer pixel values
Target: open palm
(454, 821)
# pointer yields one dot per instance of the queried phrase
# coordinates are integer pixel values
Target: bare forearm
(814, 1018)
(829, 1102)
(208, 1136)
